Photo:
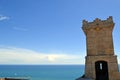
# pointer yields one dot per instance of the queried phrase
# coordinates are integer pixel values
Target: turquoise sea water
(43, 72)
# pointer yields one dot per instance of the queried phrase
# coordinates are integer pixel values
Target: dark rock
(15, 79)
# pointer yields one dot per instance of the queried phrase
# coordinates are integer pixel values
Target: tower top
(99, 36)
(98, 23)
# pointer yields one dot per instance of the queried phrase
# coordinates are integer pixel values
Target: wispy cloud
(3, 18)
(12, 55)
(20, 28)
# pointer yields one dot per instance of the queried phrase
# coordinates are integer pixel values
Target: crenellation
(110, 19)
(98, 23)
(85, 22)
(97, 20)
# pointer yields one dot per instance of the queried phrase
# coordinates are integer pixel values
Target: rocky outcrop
(84, 79)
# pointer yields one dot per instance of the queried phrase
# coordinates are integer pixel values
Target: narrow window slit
(101, 66)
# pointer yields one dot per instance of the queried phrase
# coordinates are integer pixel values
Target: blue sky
(49, 31)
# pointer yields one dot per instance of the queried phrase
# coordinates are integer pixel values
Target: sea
(42, 72)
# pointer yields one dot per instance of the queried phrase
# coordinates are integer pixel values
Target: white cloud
(3, 17)
(11, 55)
(20, 29)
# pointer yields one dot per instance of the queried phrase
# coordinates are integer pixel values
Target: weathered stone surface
(100, 50)
(2, 78)
(13, 79)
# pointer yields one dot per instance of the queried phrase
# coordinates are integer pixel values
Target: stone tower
(101, 62)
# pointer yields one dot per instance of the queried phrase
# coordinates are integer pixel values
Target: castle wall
(100, 47)
(112, 66)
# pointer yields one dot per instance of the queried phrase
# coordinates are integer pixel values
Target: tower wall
(112, 66)
(100, 48)
(99, 36)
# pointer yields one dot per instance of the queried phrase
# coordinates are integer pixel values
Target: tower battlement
(98, 23)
